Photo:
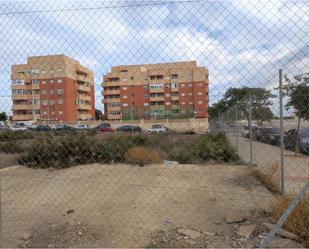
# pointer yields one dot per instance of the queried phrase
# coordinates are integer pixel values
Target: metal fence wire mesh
(152, 123)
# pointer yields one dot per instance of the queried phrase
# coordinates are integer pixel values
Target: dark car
(64, 127)
(104, 127)
(129, 128)
(290, 140)
(267, 135)
(43, 128)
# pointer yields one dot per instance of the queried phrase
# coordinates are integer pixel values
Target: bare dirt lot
(131, 206)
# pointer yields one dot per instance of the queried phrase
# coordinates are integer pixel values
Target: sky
(242, 43)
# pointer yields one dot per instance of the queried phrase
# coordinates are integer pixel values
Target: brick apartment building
(52, 87)
(170, 90)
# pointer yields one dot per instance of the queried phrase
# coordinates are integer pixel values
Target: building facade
(168, 90)
(52, 87)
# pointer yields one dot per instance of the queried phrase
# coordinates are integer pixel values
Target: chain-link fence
(153, 123)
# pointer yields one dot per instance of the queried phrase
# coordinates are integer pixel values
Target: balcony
(83, 107)
(83, 88)
(174, 89)
(83, 78)
(108, 100)
(24, 86)
(111, 92)
(23, 96)
(113, 117)
(84, 97)
(175, 106)
(84, 116)
(175, 98)
(25, 107)
(156, 90)
(21, 117)
(154, 99)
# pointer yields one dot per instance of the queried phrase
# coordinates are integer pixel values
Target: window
(43, 71)
(53, 112)
(156, 86)
(132, 78)
(44, 102)
(146, 104)
(156, 77)
(124, 88)
(43, 82)
(200, 84)
(190, 85)
(60, 101)
(174, 76)
(174, 85)
(183, 85)
(51, 102)
(43, 92)
(191, 103)
(200, 93)
(167, 85)
(183, 94)
(59, 80)
(51, 91)
(146, 96)
(60, 112)
(59, 70)
(183, 103)
(125, 104)
(146, 87)
(35, 82)
(168, 103)
(167, 95)
(200, 102)
(51, 71)
(60, 91)
(174, 94)
(36, 91)
(51, 81)
(44, 112)
(125, 96)
(123, 71)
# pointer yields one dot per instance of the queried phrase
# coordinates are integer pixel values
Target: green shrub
(10, 147)
(73, 149)
(15, 135)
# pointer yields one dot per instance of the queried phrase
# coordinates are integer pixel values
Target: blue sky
(241, 42)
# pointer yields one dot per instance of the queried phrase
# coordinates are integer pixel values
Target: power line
(138, 4)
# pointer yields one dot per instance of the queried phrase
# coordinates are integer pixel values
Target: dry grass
(269, 177)
(298, 221)
(142, 155)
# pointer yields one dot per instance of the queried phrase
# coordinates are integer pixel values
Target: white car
(82, 127)
(157, 128)
(18, 127)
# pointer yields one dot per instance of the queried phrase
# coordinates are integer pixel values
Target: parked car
(3, 127)
(290, 140)
(245, 131)
(83, 127)
(129, 128)
(104, 127)
(64, 127)
(267, 135)
(157, 128)
(43, 128)
(18, 127)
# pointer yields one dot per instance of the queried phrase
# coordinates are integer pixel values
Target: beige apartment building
(168, 90)
(52, 87)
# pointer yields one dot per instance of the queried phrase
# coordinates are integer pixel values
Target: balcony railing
(83, 107)
(25, 107)
(83, 88)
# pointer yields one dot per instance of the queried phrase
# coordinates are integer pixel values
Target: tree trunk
(297, 137)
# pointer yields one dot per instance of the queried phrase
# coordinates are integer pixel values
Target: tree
(98, 114)
(260, 102)
(3, 116)
(297, 91)
(216, 109)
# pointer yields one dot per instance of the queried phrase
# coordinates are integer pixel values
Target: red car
(104, 127)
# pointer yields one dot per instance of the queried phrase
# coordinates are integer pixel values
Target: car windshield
(105, 125)
(274, 130)
(157, 126)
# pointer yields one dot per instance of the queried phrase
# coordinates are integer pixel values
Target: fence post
(250, 128)
(236, 124)
(282, 187)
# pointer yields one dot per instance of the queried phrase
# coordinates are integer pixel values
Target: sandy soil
(122, 205)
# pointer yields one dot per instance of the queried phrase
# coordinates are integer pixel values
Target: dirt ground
(129, 206)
